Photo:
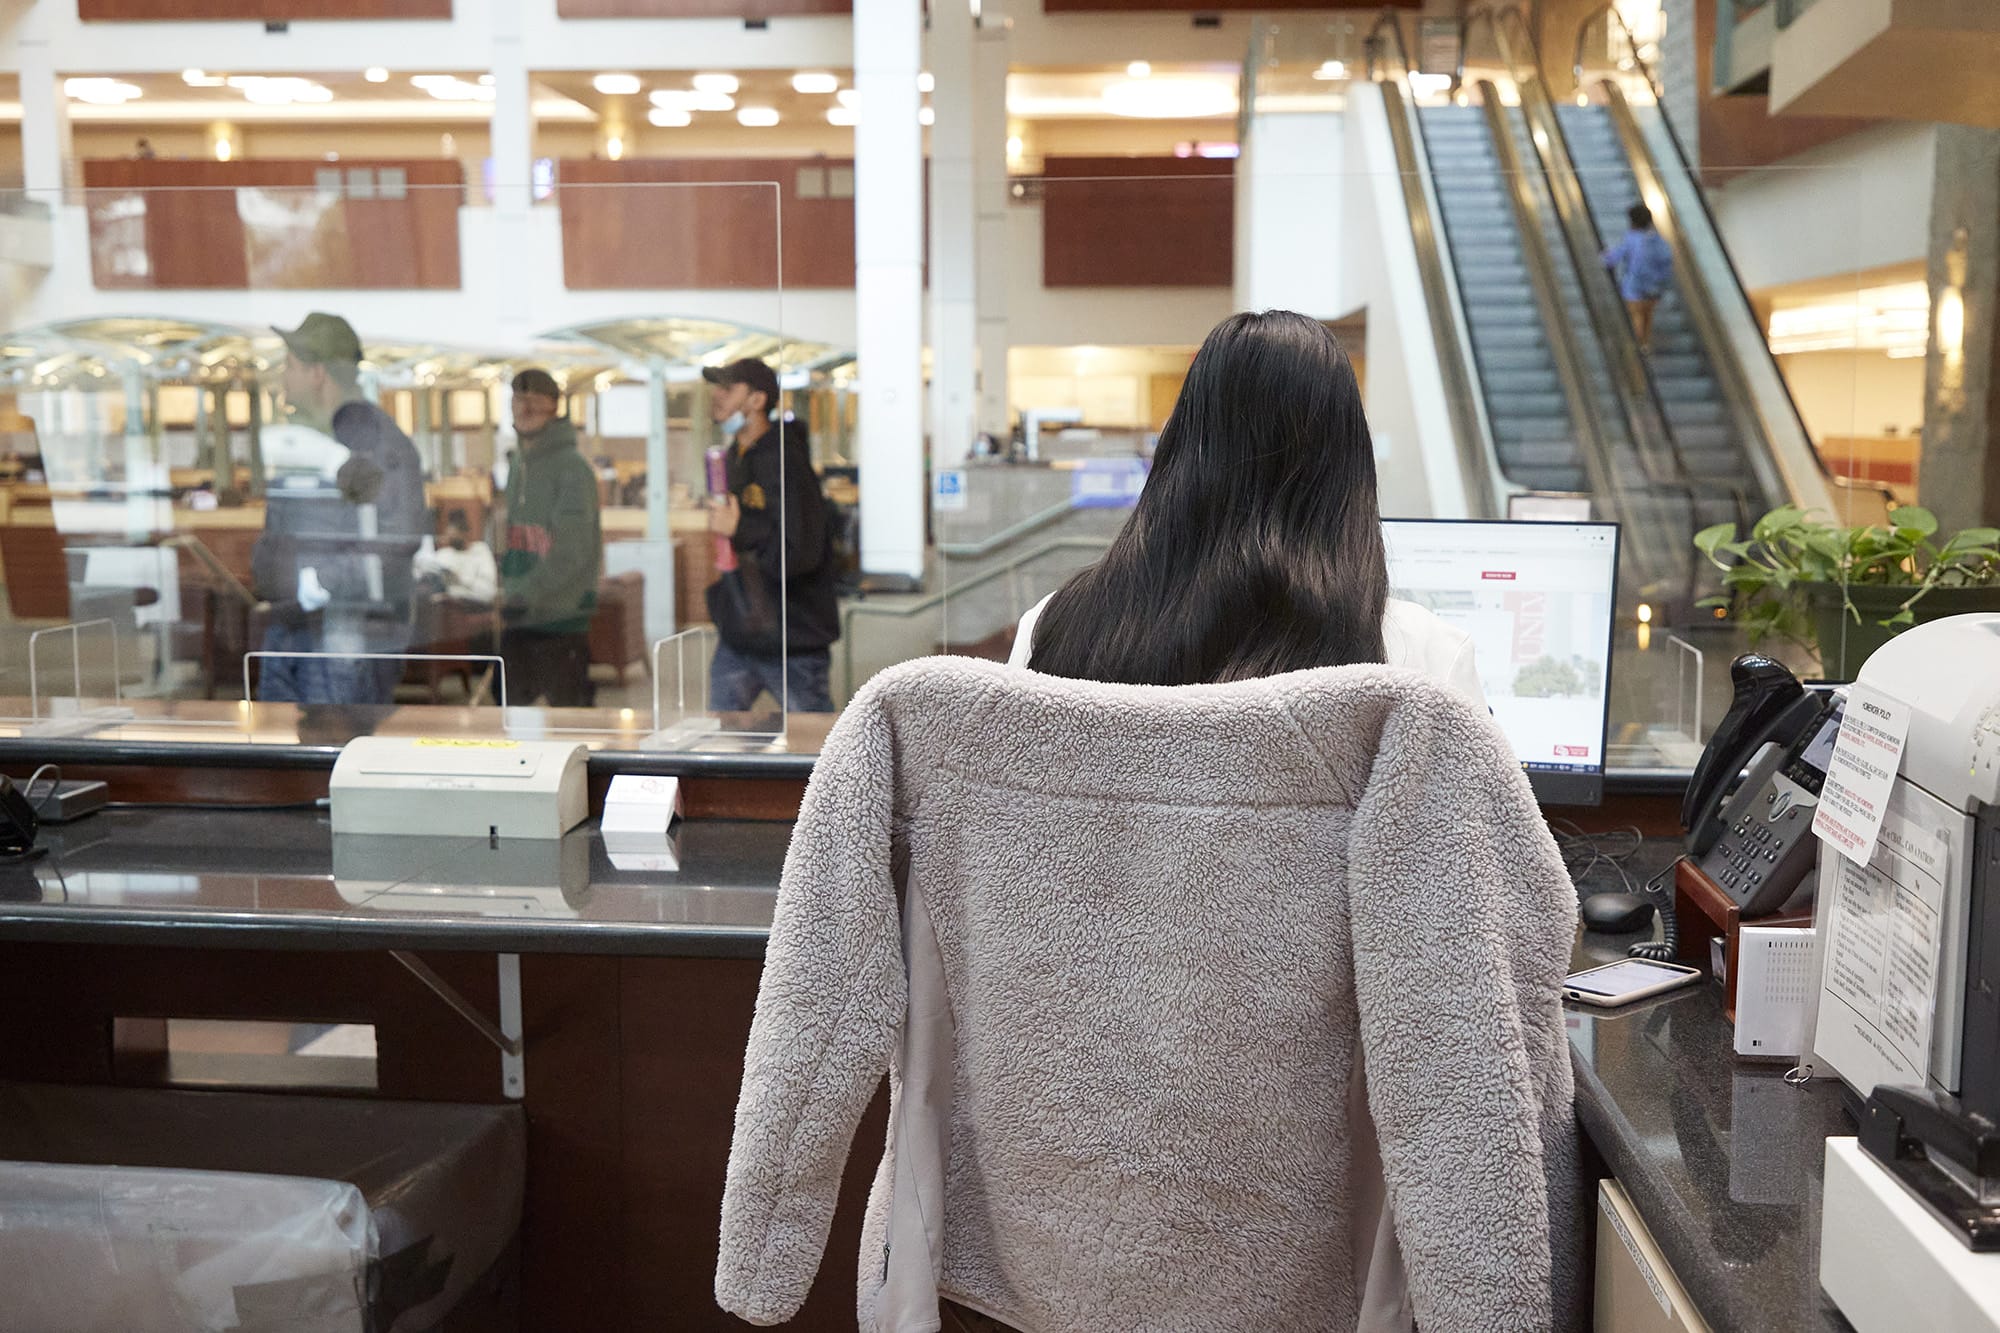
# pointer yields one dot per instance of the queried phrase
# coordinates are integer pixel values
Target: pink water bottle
(718, 486)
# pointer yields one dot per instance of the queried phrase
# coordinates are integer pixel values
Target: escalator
(1529, 194)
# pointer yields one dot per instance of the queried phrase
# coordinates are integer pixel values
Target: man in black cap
(555, 547)
(334, 560)
(776, 611)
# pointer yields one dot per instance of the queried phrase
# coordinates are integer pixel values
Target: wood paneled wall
(266, 10)
(156, 223)
(1138, 222)
(705, 223)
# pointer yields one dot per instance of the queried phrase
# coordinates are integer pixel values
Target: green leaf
(1709, 540)
(1914, 518)
(1781, 519)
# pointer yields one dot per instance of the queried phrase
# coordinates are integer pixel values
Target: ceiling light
(841, 115)
(848, 97)
(451, 88)
(706, 101)
(815, 83)
(757, 117)
(715, 83)
(1331, 70)
(279, 90)
(1138, 69)
(1160, 99)
(674, 99)
(926, 116)
(102, 92)
(486, 80)
(375, 74)
(616, 85)
(195, 78)
(614, 147)
(926, 83)
(668, 117)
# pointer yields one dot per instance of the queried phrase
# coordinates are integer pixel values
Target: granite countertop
(1721, 1156)
(222, 879)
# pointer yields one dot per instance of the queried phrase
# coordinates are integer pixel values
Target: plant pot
(1844, 645)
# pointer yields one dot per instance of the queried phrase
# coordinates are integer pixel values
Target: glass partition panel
(289, 461)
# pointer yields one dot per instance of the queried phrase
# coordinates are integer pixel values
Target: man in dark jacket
(555, 546)
(776, 612)
(334, 560)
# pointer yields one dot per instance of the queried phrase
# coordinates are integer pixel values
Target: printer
(1910, 1229)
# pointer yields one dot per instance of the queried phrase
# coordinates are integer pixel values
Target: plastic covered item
(152, 1211)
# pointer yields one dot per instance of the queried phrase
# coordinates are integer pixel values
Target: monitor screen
(1537, 600)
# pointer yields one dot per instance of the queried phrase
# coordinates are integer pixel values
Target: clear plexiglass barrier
(291, 461)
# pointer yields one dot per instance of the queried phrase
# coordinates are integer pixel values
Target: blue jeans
(320, 680)
(736, 679)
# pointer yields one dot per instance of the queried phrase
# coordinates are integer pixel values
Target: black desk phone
(1754, 837)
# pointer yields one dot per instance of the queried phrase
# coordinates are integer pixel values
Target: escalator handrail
(1478, 463)
(1659, 454)
(1609, 12)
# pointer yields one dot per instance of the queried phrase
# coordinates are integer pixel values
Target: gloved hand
(312, 595)
(360, 480)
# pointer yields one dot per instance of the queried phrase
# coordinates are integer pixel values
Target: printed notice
(1861, 772)
(1878, 983)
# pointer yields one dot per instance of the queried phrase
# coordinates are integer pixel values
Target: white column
(954, 240)
(888, 284)
(989, 164)
(46, 150)
(512, 144)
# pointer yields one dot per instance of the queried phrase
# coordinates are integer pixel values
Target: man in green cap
(334, 560)
(555, 547)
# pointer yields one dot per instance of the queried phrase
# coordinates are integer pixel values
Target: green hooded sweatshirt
(555, 541)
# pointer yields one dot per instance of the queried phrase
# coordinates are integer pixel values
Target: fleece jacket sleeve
(829, 1010)
(1463, 917)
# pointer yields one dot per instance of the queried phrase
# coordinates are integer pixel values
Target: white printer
(1910, 1234)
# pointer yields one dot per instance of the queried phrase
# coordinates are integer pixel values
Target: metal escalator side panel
(1478, 464)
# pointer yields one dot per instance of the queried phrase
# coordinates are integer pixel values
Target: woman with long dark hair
(1256, 546)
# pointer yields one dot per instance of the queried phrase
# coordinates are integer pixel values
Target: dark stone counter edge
(16, 750)
(324, 931)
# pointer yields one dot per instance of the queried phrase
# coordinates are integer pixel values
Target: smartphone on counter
(1626, 980)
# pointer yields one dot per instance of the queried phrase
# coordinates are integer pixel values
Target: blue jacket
(1644, 265)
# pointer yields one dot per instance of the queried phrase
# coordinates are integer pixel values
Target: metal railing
(931, 602)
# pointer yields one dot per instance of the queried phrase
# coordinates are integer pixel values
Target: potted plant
(1843, 592)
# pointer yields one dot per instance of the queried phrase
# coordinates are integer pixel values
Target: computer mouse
(1616, 913)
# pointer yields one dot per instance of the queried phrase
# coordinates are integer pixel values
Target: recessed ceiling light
(1160, 99)
(616, 85)
(1139, 69)
(279, 90)
(1331, 70)
(926, 116)
(677, 99)
(925, 83)
(375, 74)
(669, 118)
(102, 92)
(705, 101)
(811, 82)
(841, 115)
(451, 88)
(486, 80)
(715, 83)
(848, 97)
(195, 78)
(757, 117)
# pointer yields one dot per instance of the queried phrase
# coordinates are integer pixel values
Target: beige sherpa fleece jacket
(1121, 951)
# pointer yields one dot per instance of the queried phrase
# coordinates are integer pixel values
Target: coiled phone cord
(1666, 949)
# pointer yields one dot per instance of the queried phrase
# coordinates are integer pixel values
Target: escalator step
(1514, 404)
(1523, 431)
(1510, 315)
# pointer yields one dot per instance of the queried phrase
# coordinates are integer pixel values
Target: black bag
(744, 606)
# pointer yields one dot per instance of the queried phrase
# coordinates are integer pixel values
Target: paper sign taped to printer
(1878, 983)
(1873, 730)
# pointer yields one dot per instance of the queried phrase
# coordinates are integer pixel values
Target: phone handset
(1764, 692)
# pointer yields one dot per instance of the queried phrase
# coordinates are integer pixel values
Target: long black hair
(1256, 545)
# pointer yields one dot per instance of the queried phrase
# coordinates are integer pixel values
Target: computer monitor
(1537, 600)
